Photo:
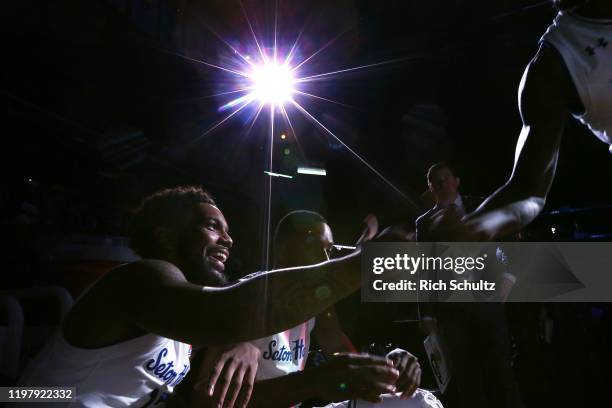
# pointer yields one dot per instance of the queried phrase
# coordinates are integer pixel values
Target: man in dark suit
(476, 333)
(444, 186)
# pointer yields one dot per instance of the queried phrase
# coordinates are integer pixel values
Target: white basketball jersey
(284, 353)
(141, 372)
(586, 47)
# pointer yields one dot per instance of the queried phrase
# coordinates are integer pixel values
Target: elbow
(530, 198)
(534, 206)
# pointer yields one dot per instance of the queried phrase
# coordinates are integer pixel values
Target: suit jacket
(493, 270)
(424, 221)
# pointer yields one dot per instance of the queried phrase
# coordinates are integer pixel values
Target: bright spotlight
(273, 83)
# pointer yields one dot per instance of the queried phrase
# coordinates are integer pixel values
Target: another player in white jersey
(570, 74)
(127, 340)
(304, 237)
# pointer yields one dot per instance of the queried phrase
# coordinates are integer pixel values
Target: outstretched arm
(544, 101)
(153, 296)
(267, 303)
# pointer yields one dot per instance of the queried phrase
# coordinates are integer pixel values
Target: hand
(474, 230)
(370, 230)
(444, 225)
(409, 371)
(228, 375)
(355, 376)
(447, 226)
(396, 233)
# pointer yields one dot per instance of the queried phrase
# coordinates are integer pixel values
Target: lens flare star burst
(273, 83)
(268, 83)
(266, 76)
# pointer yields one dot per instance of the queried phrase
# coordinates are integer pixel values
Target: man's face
(203, 246)
(319, 244)
(444, 185)
(315, 247)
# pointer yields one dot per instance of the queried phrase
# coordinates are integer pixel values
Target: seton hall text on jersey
(165, 370)
(285, 354)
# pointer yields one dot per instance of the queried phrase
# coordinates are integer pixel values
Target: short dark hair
(438, 166)
(162, 208)
(295, 224)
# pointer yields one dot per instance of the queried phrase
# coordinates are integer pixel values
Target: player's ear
(458, 181)
(282, 254)
(165, 239)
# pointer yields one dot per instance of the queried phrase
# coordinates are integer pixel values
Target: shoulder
(128, 282)
(144, 272)
(546, 82)
(101, 315)
(548, 65)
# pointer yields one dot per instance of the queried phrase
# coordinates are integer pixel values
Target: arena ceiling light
(272, 83)
(276, 74)
(312, 171)
(273, 174)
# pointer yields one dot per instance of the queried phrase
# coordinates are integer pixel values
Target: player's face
(204, 246)
(318, 246)
(443, 184)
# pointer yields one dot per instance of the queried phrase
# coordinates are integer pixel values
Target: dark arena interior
(105, 102)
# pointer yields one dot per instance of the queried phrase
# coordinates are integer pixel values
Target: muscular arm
(155, 296)
(544, 100)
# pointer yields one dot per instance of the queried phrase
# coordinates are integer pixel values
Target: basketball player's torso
(107, 358)
(140, 372)
(585, 46)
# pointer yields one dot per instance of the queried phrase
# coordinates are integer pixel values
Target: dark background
(100, 109)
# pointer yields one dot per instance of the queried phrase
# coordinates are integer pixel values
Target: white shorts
(420, 399)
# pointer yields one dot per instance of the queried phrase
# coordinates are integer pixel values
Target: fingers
(372, 222)
(378, 374)
(409, 368)
(446, 225)
(226, 379)
(372, 371)
(417, 383)
(236, 386)
(370, 230)
(364, 359)
(401, 361)
(373, 391)
(214, 376)
(414, 380)
(405, 363)
(247, 389)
